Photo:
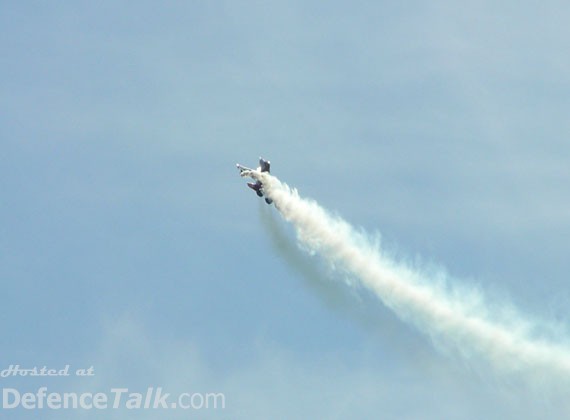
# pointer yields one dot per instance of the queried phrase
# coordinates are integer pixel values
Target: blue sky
(129, 242)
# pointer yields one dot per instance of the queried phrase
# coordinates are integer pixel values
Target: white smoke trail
(449, 317)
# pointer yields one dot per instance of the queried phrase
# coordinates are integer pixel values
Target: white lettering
(6, 392)
(41, 398)
(54, 401)
(160, 399)
(28, 401)
(118, 393)
(100, 401)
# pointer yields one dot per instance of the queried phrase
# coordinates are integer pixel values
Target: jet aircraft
(256, 186)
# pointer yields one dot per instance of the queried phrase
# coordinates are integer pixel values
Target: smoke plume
(456, 318)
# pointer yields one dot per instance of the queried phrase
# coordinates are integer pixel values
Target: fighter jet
(256, 186)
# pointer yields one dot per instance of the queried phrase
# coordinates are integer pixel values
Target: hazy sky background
(128, 241)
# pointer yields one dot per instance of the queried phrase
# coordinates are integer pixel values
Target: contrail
(459, 320)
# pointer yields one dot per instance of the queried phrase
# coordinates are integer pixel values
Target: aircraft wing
(243, 169)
